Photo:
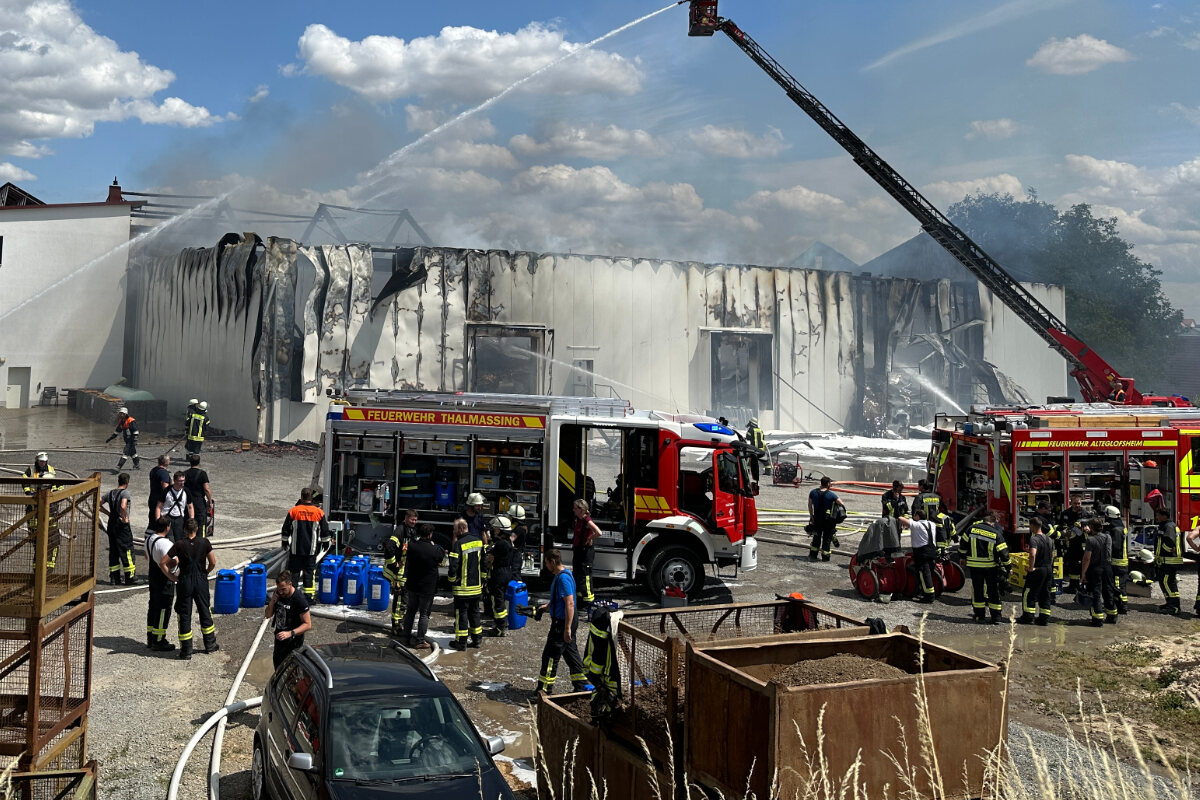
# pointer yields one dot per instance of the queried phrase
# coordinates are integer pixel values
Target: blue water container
(225, 598)
(354, 579)
(254, 586)
(329, 580)
(517, 595)
(379, 590)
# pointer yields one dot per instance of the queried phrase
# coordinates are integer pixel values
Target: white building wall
(74, 335)
(1019, 352)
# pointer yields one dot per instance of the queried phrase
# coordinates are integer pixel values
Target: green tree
(1114, 300)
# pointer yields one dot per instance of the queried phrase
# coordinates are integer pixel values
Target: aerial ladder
(1097, 380)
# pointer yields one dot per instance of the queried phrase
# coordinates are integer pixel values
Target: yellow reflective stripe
(566, 475)
(1005, 479)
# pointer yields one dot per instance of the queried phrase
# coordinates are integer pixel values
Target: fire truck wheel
(867, 583)
(676, 565)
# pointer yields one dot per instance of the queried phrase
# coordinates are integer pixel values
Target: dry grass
(1090, 767)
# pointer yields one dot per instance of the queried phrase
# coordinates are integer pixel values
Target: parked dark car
(368, 720)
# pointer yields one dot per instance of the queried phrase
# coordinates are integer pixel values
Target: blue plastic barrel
(517, 595)
(328, 581)
(254, 586)
(354, 579)
(379, 590)
(225, 598)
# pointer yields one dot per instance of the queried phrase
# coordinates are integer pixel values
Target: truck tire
(675, 565)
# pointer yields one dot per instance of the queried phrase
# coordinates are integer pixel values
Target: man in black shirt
(160, 481)
(895, 504)
(199, 492)
(196, 560)
(288, 610)
(420, 581)
(1097, 573)
(500, 573)
(1035, 600)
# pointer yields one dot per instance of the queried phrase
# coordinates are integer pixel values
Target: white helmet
(203, 405)
(518, 513)
(123, 410)
(501, 523)
(193, 402)
(754, 422)
(474, 499)
(1112, 512)
(42, 457)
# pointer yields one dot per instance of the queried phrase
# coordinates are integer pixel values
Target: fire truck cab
(671, 494)
(1008, 459)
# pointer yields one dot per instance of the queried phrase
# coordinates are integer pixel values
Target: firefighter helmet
(123, 410)
(518, 513)
(1138, 578)
(501, 523)
(193, 402)
(754, 422)
(1112, 512)
(474, 499)
(203, 405)
(42, 457)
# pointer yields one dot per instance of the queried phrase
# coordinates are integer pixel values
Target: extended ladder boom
(1094, 375)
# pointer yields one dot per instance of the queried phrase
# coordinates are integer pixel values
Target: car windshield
(401, 737)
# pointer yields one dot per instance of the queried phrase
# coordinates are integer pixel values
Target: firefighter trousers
(1102, 593)
(1120, 582)
(582, 559)
(558, 648)
(985, 592)
(1035, 599)
(195, 592)
(304, 573)
(497, 586)
(467, 619)
(120, 552)
(158, 612)
(923, 560)
(1168, 581)
(822, 539)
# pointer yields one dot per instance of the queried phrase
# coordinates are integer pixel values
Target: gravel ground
(145, 706)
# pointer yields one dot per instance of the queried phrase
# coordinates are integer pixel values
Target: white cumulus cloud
(11, 172)
(462, 63)
(61, 77)
(992, 129)
(594, 141)
(1076, 55)
(943, 193)
(261, 92)
(737, 143)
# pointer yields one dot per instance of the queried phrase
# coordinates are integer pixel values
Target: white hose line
(258, 537)
(177, 775)
(214, 762)
(267, 562)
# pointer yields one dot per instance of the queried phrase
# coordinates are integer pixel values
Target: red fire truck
(1007, 459)
(670, 493)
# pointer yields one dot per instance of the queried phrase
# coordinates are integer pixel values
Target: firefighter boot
(161, 645)
(459, 644)
(497, 631)
(210, 643)
(185, 650)
(150, 640)
(475, 641)
(121, 463)
(996, 617)
(137, 462)
(1025, 619)
(1043, 619)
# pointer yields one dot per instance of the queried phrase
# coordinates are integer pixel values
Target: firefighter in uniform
(1035, 599)
(128, 431)
(601, 667)
(755, 438)
(41, 469)
(120, 534)
(500, 556)
(197, 425)
(395, 550)
(305, 532)
(583, 554)
(928, 501)
(1168, 557)
(1115, 527)
(986, 554)
(473, 515)
(162, 585)
(466, 580)
(1098, 575)
(196, 560)
(894, 503)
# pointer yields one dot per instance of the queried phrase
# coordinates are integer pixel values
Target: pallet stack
(47, 615)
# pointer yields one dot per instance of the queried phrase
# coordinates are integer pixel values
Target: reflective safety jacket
(946, 529)
(305, 530)
(33, 472)
(754, 436)
(894, 505)
(1168, 547)
(466, 566)
(395, 548)
(128, 429)
(197, 423)
(984, 547)
(1049, 527)
(601, 666)
(1120, 545)
(930, 503)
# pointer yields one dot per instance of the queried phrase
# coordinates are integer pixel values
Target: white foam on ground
(522, 769)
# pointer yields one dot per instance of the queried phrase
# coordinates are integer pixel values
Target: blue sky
(652, 143)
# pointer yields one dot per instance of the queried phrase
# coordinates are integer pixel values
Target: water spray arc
(934, 389)
(374, 175)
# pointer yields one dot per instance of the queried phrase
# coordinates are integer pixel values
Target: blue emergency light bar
(713, 427)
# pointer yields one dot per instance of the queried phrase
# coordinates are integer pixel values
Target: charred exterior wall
(264, 329)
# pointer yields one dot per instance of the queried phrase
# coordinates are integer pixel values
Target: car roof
(364, 666)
